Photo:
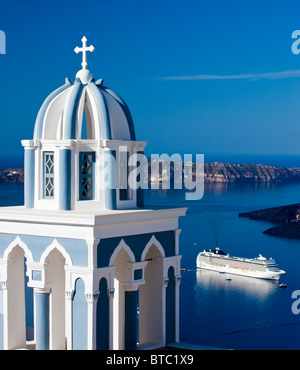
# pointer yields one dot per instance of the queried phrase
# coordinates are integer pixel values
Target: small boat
(228, 279)
(282, 285)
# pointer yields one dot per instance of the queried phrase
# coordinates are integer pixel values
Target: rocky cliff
(286, 219)
(276, 215)
(226, 172)
(222, 172)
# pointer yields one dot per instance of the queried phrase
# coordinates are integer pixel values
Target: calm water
(243, 313)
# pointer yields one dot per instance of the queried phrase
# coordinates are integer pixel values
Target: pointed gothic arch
(22, 245)
(56, 245)
(121, 245)
(152, 241)
(55, 258)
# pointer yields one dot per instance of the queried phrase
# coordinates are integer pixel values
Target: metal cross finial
(84, 49)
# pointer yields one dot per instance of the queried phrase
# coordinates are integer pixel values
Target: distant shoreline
(213, 173)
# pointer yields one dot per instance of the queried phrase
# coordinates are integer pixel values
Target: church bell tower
(83, 264)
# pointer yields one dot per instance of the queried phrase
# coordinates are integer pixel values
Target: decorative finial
(84, 49)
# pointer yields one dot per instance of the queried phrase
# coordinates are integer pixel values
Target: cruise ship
(259, 267)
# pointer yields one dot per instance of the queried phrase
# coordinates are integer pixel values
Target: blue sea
(243, 313)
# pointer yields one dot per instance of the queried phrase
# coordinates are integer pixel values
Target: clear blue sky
(198, 76)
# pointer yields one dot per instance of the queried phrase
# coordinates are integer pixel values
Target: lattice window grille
(123, 175)
(86, 181)
(48, 174)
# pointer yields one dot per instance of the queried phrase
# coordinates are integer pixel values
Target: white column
(111, 294)
(164, 287)
(177, 233)
(92, 299)
(5, 315)
(69, 299)
(14, 321)
(177, 284)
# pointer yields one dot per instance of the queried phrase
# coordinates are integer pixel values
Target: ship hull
(267, 275)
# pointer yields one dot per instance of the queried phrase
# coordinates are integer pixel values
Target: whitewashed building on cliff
(82, 254)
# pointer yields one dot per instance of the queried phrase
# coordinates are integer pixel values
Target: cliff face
(226, 172)
(286, 218)
(223, 172)
(276, 215)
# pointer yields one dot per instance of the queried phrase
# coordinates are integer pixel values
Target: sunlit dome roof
(84, 102)
(61, 115)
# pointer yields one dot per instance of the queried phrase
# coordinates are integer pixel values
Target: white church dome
(79, 156)
(62, 113)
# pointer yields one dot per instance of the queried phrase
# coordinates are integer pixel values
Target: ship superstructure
(259, 267)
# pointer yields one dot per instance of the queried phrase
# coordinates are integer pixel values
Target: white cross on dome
(84, 50)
